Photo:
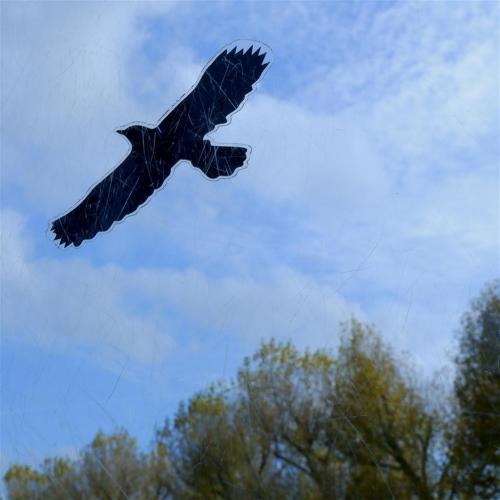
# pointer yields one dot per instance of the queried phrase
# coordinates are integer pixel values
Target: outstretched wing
(220, 91)
(121, 193)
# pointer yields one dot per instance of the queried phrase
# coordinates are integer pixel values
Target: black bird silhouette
(180, 135)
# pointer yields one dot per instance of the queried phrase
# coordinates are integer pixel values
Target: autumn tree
(476, 449)
(216, 454)
(110, 467)
(353, 423)
(286, 397)
(309, 425)
(386, 429)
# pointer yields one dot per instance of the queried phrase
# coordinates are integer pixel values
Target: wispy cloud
(66, 74)
(350, 197)
(59, 305)
(73, 305)
(372, 187)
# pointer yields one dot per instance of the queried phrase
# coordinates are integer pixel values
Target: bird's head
(134, 133)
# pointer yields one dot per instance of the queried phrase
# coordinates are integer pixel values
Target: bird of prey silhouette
(180, 135)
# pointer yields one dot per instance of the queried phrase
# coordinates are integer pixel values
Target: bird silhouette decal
(180, 135)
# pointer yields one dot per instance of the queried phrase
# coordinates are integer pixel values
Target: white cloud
(69, 304)
(284, 304)
(462, 210)
(314, 160)
(448, 110)
(65, 73)
(423, 82)
(353, 203)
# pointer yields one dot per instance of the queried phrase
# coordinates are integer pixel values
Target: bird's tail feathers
(220, 161)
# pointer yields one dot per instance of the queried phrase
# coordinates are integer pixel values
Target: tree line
(357, 423)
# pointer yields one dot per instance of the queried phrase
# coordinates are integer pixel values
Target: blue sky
(372, 190)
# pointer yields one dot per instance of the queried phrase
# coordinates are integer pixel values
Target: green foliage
(385, 426)
(476, 451)
(315, 425)
(110, 467)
